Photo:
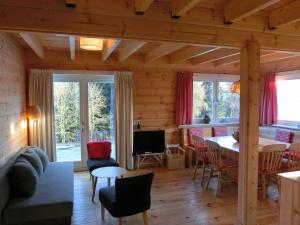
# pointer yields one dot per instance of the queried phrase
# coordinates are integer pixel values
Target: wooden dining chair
(201, 155)
(222, 166)
(291, 160)
(270, 165)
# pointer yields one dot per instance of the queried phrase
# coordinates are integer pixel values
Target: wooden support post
(249, 134)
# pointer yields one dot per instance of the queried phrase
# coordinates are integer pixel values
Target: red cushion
(285, 163)
(284, 136)
(195, 131)
(219, 131)
(99, 149)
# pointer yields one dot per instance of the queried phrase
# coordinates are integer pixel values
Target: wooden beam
(219, 53)
(249, 134)
(114, 19)
(189, 52)
(277, 56)
(129, 48)
(34, 43)
(109, 46)
(237, 9)
(72, 47)
(181, 7)
(287, 14)
(162, 50)
(142, 5)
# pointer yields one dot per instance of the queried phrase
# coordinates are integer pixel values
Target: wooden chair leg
(145, 218)
(209, 178)
(195, 170)
(278, 182)
(102, 212)
(120, 221)
(219, 183)
(263, 187)
(203, 172)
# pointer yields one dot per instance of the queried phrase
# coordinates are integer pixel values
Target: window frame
(288, 75)
(215, 79)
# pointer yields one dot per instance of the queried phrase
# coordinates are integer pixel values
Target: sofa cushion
(219, 131)
(283, 135)
(34, 159)
(24, 177)
(43, 156)
(52, 199)
(98, 163)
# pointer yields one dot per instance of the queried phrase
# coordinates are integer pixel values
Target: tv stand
(153, 158)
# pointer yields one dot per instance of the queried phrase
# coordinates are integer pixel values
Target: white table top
(229, 143)
(109, 172)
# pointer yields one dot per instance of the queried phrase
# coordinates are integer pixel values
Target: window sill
(283, 126)
(209, 125)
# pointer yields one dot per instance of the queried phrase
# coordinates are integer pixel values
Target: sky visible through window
(288, 99)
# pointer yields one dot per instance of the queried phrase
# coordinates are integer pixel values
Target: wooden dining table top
(229, 143)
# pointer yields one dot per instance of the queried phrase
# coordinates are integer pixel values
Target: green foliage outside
(67, 111)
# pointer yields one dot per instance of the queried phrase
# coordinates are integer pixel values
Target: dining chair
(291, 160)
(270, 165)
(222, 166)
(201, 155)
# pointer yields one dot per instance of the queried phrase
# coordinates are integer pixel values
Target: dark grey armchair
(129, 196)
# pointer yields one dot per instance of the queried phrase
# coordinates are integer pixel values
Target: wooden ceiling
(150, 51)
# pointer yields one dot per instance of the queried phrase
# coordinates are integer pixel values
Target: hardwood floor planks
(176, 200)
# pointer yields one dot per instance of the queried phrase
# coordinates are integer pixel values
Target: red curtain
(184, 98)
(268, 104)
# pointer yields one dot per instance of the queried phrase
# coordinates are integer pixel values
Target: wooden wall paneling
(13, 134)
(249, 134)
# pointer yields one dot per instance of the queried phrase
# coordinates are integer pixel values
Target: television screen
(148, 142)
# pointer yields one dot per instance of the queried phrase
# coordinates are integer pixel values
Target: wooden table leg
(94, 188)
(145, 218)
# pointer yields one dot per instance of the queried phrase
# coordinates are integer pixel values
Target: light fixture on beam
(91, 44)
(235, 87)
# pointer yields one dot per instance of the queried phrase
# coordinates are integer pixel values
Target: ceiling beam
(219, 53)
(109, 46)
(238, 9)
(287, 14)
(181, 7)
(141, 6)
(129, 48)
(116, 20)
(276, 56)
(162, 50)
(188, 53)
(72, 47)
(34, 43)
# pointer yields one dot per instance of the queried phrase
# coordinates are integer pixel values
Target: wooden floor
(176, 200)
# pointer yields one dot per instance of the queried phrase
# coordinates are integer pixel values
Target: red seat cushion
(99, 149)
(284, 136)
(194, 131)
(219, 131)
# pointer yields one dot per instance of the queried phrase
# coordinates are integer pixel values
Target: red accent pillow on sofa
(99, 149)
(219, 131)
(195, 131)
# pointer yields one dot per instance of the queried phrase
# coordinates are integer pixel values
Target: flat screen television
(148, 142)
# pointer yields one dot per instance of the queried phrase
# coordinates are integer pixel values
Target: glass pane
(228, 109)
(288, 100)
(202, 100)
(101, 112)
(67, 121)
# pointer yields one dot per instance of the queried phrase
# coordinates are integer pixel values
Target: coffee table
(106, 172)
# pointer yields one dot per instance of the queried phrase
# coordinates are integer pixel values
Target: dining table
(229, 143)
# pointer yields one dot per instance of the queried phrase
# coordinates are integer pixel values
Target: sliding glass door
(83, 111)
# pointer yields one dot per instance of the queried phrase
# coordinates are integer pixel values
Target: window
(288, 101)
(212, 97)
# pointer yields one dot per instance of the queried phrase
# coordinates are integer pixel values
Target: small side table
(156, 157)
(106, 172)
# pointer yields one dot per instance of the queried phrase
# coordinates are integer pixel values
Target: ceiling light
(91, 44)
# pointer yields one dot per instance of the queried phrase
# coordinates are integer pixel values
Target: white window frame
(288, 75)
(215, 78)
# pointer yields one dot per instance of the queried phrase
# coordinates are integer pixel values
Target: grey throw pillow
(34, 159)
(24, 177)
(43, 156)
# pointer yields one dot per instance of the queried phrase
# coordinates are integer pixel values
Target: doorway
(83, 112)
